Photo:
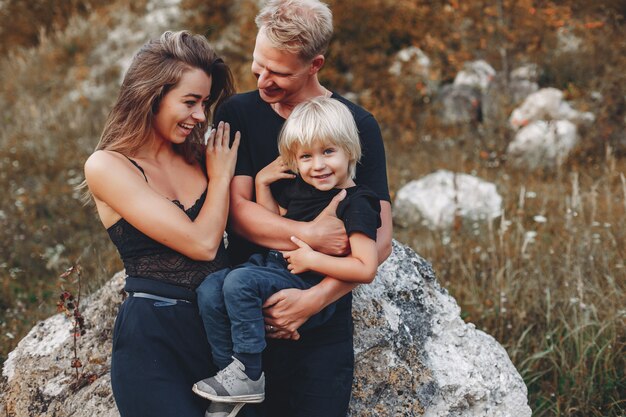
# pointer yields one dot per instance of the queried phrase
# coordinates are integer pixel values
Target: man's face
(281, 75)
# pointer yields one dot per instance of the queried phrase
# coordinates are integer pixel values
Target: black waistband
(163, 289)
(277, 256)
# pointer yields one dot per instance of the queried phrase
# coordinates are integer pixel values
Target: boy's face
(324, 166)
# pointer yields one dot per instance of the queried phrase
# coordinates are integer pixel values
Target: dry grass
(53, 107)
(552, 292)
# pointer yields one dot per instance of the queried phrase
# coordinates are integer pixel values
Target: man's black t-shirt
(260, 126)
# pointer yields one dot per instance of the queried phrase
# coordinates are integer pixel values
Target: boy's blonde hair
(320, 119)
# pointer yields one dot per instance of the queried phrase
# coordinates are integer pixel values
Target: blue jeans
(231, 300)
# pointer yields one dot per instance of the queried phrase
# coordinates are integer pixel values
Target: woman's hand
(287, 310)
(221, 158)
(301, 259)
(274, 171)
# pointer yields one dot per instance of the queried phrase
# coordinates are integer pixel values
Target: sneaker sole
(233, 413)
(249, 399)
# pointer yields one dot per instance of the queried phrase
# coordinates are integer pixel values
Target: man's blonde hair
(303, 27)
(324, 120)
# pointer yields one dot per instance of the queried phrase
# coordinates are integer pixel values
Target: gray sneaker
(231, 384)
(223, 409)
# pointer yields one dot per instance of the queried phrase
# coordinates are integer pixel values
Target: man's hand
(326, 233)
(287, 310)
(275, 333)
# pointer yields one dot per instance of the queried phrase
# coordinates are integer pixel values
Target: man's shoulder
(249, 98)
(358, 111)
(244, 109)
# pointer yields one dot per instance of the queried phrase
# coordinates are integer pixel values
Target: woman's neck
(157, 150)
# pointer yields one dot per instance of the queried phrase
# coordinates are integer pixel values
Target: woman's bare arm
(118, 189)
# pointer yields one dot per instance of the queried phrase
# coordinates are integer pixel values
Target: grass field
(547, 279)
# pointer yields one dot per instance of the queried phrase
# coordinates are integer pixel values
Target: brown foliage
(23, 22)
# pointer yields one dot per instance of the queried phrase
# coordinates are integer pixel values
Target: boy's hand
(301, 259)
(276, 170)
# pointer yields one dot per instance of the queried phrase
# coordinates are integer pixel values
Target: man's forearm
(329, 290)
(385, 232)
(258, 225)
(264, 227)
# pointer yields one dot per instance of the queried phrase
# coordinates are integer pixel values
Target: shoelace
(236, 370)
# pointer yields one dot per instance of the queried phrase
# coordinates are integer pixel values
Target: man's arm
(289, 309)
(384, 232)
(255, 223)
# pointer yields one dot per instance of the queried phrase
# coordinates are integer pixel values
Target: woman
(163, 198)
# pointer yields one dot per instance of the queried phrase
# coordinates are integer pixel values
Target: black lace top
(146, 258)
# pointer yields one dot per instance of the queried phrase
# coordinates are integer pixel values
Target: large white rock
(414, 355)
(458, 104)
(436, 199)
(412, 67)
(504, 92)
(477, 74)
(37, 379)
(547, 104)
(543, 144)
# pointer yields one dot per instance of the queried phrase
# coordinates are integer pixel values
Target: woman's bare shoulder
(108, 170)
(108, 164)
(101, 160)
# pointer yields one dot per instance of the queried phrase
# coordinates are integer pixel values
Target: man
(310, 374)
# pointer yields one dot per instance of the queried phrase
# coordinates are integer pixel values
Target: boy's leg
(215, 318)
(245, 290)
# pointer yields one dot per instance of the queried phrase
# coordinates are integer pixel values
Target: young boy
(320, 142)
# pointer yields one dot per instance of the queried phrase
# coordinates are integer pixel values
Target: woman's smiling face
(183, 107)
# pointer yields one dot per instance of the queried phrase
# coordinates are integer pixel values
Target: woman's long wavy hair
(155, 70)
